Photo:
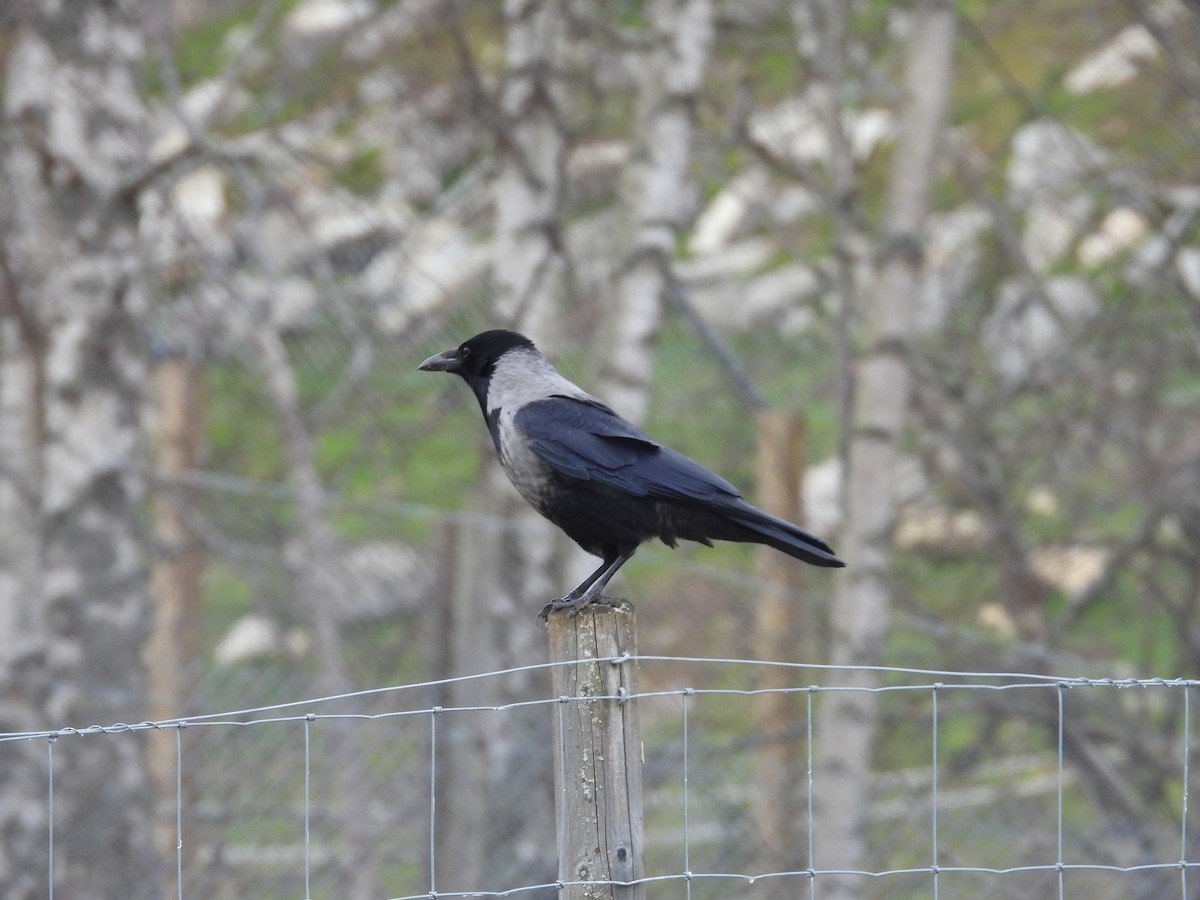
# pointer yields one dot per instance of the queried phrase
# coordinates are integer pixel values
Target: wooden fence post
(778, 636)
(598, 759)
(173, 649)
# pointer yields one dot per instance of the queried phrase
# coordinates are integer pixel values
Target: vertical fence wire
(1183, 823)
(179, 810)
(1061, 777)
(687, 861)
(934, 792)
(433, 717)
(50, 816)
(561, 799)
(308, 720)
(808, 727)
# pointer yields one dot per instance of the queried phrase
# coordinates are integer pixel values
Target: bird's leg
(588, 590)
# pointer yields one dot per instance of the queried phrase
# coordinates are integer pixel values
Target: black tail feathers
(785, 537)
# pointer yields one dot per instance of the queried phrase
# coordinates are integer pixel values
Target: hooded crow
(596, 476)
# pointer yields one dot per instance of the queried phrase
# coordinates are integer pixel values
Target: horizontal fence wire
(937, 687)
(1011, 681)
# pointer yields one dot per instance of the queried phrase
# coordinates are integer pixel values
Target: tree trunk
(654, 198)
(173, 651)
(530, 185)
(846, 723)
(74, 593)
(511, 570)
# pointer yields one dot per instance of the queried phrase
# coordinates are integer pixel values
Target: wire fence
(361, 229)
(343, 200)
(937, 823)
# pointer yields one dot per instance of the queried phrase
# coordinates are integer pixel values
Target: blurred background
(922, 275)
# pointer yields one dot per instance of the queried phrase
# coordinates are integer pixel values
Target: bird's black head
(475, 358)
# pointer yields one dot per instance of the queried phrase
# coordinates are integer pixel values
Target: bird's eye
(464, 350)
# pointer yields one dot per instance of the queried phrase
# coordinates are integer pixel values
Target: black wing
(588, 441)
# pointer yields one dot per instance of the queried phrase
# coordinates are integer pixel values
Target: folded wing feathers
(589, 441)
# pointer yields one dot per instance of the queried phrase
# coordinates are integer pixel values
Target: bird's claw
(573, 606)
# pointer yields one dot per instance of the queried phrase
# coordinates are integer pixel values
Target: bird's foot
(573, 606)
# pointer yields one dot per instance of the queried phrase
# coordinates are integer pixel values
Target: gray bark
(655, 198)
(74, 589)
(861, 612)
(530, 183)
(512, 570)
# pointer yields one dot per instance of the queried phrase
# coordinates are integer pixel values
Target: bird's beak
(446, 361)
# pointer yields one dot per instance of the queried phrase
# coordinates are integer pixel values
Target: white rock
(1121, 229)
(199, 197)
(599, 157)
(1042, 501)
(1070, 569)
(725, 214)
(929, 527)
(1051, 229)
(868, 129)
(791, 128)
(1116, 63)
(251, 637)
(795, 130)
(318, 18)
(995, 618)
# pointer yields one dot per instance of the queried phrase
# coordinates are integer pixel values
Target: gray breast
(522, 377)
(524, 468)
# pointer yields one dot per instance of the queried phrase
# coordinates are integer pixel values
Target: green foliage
(241, 431)
(229, 598)
(203, 51)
